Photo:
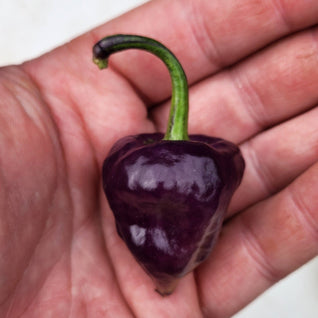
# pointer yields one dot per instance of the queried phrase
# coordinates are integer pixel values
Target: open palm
(253, 81)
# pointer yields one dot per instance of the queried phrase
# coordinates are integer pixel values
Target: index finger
(204, 35)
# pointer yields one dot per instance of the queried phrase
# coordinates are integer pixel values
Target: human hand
(61, 254)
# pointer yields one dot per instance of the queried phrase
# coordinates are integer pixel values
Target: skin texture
(252, 67)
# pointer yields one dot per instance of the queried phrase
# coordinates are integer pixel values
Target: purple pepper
(168, 193)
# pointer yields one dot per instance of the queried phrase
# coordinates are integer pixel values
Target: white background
(29, 28)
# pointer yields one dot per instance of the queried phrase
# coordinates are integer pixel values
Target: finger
(261, 246)
(276, 157)
(205, 36)
(270, 87)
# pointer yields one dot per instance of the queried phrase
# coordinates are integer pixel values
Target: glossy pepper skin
(168, 193)
(169, 199)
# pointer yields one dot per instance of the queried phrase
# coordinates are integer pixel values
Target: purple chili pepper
(168, 193)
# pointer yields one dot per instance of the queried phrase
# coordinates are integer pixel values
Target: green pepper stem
(177, 128)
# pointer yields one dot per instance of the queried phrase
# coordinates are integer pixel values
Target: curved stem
(178, 120)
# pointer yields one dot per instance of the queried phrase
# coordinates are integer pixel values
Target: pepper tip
(166, 288)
